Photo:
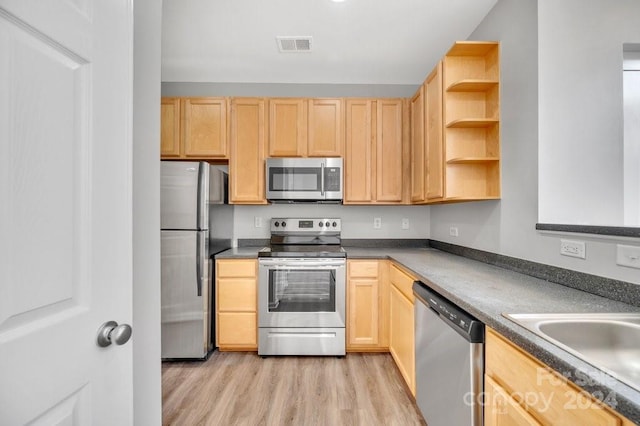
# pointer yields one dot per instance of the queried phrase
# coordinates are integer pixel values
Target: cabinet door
(501, 409)
(389, 151)
(246, 164)
(237, 330)
(433, 135)
(205, 127)
(287, 127)
(418, 179)
(363, 311)
(363, 303)
(170, 128)
(559, 401)
(402, 339)
(326, 128)
(359, 171)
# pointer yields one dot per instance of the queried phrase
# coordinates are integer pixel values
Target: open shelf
(472, 160)
(472, 85)
(468, 123)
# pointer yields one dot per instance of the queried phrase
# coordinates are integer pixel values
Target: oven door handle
(302, 265)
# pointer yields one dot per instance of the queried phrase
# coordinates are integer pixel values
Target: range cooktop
(304, 237)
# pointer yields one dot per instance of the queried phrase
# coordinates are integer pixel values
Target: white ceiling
(354, 42)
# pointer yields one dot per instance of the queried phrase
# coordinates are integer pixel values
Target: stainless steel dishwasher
(449, 360)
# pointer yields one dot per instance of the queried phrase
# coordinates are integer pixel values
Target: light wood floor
(240, 388)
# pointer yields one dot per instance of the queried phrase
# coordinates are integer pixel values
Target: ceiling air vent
(294, 44)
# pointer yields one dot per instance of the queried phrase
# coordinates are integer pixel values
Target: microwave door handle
(322, 179)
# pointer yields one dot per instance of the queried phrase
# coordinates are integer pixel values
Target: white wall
(357, 221)
(288, 90)
(147, 394)
(508, 226)
(632, 138)
(581, 113)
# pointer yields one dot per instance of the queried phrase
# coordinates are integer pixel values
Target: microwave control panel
(332, 179)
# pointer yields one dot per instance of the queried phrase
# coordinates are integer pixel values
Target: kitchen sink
(609, 342)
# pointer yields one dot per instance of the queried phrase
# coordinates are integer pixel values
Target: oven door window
(294, 179)
(302, 290)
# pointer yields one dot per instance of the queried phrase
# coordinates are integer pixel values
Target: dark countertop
(239, 253)
(487, 291)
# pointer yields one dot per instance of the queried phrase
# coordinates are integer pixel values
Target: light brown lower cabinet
(520, 390)
(236, 304)
(367, 306)
(401, 325)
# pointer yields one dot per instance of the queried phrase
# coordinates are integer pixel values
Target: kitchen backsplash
(357, 221)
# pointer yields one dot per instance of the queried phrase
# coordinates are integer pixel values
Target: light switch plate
(628, 256)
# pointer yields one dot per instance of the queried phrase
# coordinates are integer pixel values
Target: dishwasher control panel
(457, 317)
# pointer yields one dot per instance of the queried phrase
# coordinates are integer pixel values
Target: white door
(65, 210)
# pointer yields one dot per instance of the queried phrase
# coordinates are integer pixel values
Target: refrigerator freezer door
(184, 195)
(185, 316)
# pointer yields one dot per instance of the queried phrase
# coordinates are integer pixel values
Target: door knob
(110, 332)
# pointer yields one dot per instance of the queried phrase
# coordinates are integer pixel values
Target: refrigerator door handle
(199, 271)
(199, 218)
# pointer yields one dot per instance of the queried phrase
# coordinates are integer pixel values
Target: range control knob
(276, 224)
(334, 224)
(320, 224)
(327, 224)
(284, 224)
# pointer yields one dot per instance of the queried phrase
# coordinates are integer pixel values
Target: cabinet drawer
(238, 329)
(540, 391)
(236, 268)
(363, 269)
(237, 294)
(401, 281)
(502, 409)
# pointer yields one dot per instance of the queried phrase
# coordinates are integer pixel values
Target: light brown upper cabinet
(326, 128)
(194, 128)
(170, 128)
(248, 141)
(287, 127)
(433, 135)
(305, 127)
(418, 160)
(374, 152)
(471, 105)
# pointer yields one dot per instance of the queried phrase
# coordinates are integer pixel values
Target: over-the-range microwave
(291, 180)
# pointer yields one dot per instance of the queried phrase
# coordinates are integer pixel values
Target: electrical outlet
(453, 231)
(573, 248)
(257, 221)
(377, 223)
(405, 223)
(628, 256)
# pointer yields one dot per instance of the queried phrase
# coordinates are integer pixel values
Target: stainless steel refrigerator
(191, 192)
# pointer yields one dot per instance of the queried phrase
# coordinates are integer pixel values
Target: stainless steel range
(302, 289)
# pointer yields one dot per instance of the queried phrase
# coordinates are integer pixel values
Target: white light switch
(628, 256)
(405, 223)
(257, 221)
